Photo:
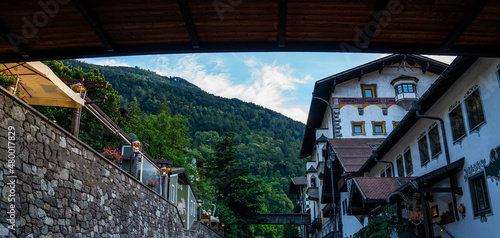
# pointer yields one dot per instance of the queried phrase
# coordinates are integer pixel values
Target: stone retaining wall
(63, 188)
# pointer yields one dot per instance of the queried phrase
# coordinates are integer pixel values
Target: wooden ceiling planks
(176, 26)
(243, 20)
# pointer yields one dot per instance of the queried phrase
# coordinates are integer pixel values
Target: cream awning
(43, 87)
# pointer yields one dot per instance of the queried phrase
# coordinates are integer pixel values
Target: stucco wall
(476, 146)
(65, 188)
(373, 113)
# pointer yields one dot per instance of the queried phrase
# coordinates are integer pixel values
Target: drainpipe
(453, 179)
(417, 109)
(331, 112)
(375, 155)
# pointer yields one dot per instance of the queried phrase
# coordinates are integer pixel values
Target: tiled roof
(322, 138)
(353, 153)
(297, 181)
(378, 188)
(300, 180)
(311, 170)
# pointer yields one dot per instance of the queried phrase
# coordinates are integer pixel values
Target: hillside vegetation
(267, 143)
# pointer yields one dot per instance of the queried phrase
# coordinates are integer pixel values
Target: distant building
(351, 113)
(298, 187)
(179, 191)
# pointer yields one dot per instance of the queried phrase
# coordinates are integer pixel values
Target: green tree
(237, 193)
(383, 228)
(163, 136)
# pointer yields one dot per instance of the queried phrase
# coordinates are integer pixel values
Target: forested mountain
(268, 142)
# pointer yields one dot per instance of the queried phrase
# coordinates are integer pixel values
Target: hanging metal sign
(415, 215)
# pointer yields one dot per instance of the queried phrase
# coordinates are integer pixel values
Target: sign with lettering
(474, 168)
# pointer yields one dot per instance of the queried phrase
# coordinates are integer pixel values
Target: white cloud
(271, 85)
(106, 62)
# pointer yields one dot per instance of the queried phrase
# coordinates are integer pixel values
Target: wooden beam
(94, 23)
(375, 16)
(15, 41)
(211, 47)
(188, 21)
(464, 23)
(424, 69)
(282, 23)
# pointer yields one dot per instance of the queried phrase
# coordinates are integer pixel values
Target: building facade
(446, 162)
(350, 115)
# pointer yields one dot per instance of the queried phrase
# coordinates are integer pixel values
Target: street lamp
(80, 90)
(167, 172)
(223, 229)
(200, 203)
(329, 164)
(209, 220)
(136, 148)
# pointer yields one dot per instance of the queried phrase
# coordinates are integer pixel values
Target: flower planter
(152, 184)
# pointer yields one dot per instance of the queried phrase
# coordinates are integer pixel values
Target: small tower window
(405, 88)
(368, 91)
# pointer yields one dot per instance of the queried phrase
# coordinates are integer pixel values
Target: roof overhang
(80, 29)
(433, 177)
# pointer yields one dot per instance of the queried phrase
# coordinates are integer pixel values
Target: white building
(450, 176)
(351, 113)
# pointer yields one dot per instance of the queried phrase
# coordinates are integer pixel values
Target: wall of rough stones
(200, 230)
(54, 185)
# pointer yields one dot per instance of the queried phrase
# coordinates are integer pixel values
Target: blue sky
(282, 82)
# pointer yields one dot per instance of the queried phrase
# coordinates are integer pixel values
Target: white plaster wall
(352, 89)
(325, 132)
(474, 147)
(351, 224)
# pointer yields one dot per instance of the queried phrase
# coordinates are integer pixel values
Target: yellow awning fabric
(43, 87)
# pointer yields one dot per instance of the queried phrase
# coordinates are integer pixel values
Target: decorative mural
(474, 169)
(492, 169)
(181, 206)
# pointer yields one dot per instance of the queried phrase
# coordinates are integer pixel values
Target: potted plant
(12, 83)
(113, 155)
(153, 184)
